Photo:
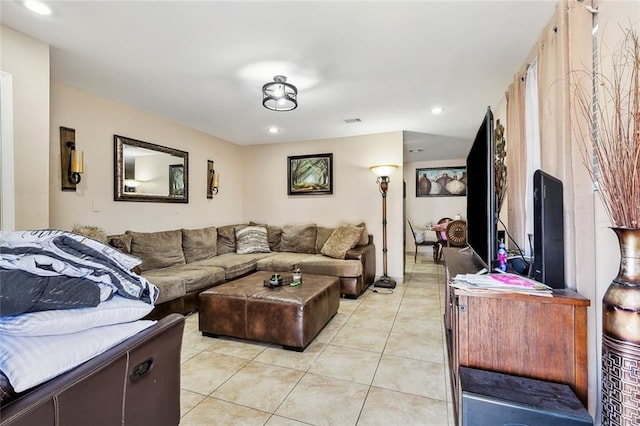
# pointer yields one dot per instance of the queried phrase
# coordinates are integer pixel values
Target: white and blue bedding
(64, 298)
(29, 361)
(53, 269)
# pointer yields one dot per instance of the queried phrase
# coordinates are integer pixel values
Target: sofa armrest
(106, 389)
(367, 255)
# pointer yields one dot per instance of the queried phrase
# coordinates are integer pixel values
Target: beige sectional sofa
(184, 262)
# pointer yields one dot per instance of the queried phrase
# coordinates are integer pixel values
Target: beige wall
(95, 121)
(356, 197)
(253, 179)
(612, 16)
(27, 60)
(428, 210)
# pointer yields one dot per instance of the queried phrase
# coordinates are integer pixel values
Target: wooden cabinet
(538, 337)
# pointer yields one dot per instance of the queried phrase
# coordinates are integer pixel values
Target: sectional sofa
(184, 262)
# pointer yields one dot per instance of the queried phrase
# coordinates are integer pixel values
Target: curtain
(532, 142)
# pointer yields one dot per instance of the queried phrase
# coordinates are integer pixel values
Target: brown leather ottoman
(290, 316)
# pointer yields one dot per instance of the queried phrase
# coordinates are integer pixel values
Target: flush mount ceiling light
(437, 110)
(37, 7)
(280, 95)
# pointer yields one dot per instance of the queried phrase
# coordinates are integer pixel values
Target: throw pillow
(252, 239)
(298, 239)
(157, 249)
(274, 234)
(199, 244)
(341, 240)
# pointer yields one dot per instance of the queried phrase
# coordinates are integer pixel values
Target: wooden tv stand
(538, 337)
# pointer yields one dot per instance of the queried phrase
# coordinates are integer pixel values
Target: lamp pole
(384, 281)
(383, 172)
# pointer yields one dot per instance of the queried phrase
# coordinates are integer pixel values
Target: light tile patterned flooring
(380, 361)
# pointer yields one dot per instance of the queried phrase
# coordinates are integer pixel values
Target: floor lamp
(383, 172)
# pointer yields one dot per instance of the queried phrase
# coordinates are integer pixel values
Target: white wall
(96, 120)
(356, 197)
(27, 60)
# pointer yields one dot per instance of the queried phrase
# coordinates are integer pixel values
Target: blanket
(54, 269)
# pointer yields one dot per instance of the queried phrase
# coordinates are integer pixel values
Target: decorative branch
(611, 151)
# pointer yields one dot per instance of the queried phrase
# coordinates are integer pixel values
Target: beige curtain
(516, 159)
(563, 48)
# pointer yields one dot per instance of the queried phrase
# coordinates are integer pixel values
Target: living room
(252, 178)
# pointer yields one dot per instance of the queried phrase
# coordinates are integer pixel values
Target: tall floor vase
(621, 336)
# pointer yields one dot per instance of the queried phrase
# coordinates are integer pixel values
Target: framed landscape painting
(441, 182)
(310, 174)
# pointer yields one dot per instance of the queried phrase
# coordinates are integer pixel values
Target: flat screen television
(481, 194)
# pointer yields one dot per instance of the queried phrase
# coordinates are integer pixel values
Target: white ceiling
(203, 63)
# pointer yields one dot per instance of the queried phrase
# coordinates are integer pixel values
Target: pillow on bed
(48, 323)
(29, 361)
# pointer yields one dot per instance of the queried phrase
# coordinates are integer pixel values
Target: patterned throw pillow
(252, 239)
(341, 240)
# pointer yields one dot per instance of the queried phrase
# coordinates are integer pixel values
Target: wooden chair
(423, 243)
(441, 240)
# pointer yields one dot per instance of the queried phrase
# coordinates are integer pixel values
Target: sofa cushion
(322, 235)
(157, 249)
(364, 237)
(171, 287)
(323, 265)
(252, 239)
(227, 238)
(198, 244)
(298, 239)
(281, 262)
(122, 242)
(235, 264)
(342, 239)
(195, 276)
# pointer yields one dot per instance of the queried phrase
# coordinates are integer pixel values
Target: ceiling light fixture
(437, 110)
(279, 95)
(37, 7)
(273, 130)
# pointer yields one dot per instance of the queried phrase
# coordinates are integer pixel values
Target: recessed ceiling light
(437, 110)
(37, 7)
(273, 129)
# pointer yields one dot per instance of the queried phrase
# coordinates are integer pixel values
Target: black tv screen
(481, 194)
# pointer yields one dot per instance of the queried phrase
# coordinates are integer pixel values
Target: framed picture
(310, 174)
(176, 180)
(441, 182)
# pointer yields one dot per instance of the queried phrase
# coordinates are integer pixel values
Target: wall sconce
(213, 180)
(71, 160)
(76, 163)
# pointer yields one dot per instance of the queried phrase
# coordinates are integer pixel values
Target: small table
(289, 316)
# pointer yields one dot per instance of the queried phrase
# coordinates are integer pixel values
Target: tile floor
(380, 361)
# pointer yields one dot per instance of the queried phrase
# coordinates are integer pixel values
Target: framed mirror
(145, 171)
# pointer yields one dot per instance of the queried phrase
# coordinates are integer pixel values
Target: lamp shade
(383, 170)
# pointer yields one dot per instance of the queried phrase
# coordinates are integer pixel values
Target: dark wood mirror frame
(119, 193)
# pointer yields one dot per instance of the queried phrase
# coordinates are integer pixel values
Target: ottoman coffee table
(289, 316)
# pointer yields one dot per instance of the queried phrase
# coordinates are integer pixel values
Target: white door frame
(7, 194)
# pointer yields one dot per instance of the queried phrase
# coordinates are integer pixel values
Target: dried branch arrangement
(613, 111)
